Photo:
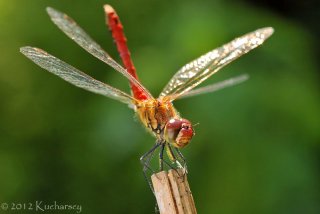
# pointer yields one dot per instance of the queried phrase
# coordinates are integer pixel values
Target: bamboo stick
(173, 192)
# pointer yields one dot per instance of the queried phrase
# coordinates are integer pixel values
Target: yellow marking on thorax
(154, 114)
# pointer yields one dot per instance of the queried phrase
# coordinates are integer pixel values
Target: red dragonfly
(172, 132)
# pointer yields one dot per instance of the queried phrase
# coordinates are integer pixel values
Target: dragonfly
(158, 115)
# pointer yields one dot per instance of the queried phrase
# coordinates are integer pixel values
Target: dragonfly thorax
(162, 120)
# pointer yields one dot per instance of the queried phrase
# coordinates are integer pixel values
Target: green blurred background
(257, 146)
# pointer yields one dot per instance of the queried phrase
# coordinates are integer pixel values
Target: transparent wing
(73, 75)
(76, 33)
(195, 72)
(215, 86)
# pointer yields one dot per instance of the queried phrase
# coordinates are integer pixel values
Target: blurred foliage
(257, 146)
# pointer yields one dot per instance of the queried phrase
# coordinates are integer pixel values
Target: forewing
(73, 75)
(195, 72)
(76, 33)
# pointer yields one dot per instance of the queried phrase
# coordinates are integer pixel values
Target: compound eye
(185, 126)
(178, 132)
(172, 128)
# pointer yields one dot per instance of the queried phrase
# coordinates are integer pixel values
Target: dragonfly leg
(163, 161)
(172, 156)
(145, 161)
(176, 160)
(161, 157)
(183, 160)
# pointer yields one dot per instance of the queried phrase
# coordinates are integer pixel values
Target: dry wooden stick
(173, 193)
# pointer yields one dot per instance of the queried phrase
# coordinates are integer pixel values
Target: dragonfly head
(178, 132)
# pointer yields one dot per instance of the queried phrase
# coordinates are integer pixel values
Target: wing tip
(53, 13)
(29, 51)
(25, 49)
(50, 10)
(267, 31)
(243, 77)
(22, 49)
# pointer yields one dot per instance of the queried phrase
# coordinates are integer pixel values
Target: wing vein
(200, 69)
(77, 34)
(73, 75)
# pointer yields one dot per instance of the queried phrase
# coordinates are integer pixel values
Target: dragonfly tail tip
(108, 9)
